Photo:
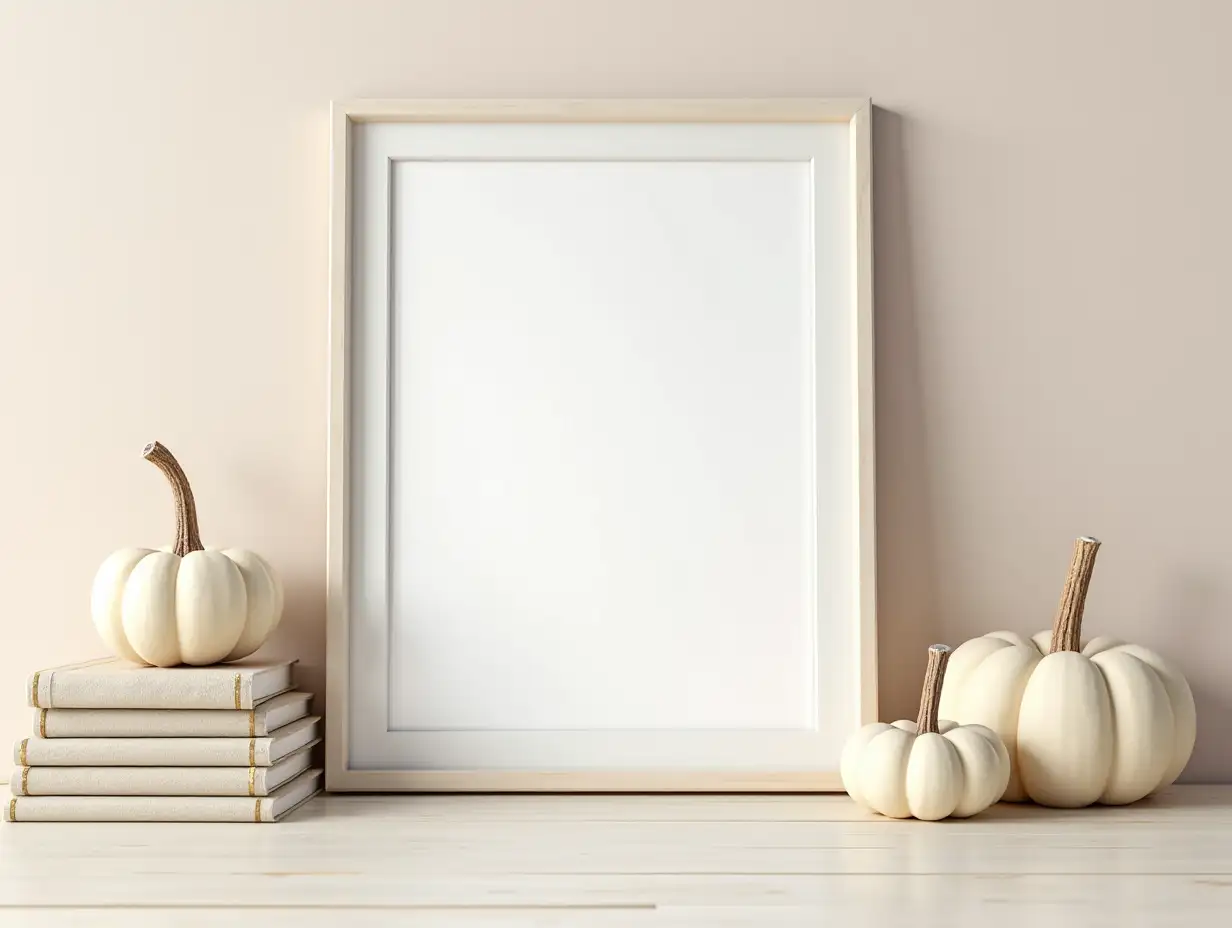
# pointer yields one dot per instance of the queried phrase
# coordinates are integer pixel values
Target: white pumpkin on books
(184, 604)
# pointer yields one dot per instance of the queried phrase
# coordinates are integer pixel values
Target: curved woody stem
(187, 533)
(930, 696)
(1067, 626)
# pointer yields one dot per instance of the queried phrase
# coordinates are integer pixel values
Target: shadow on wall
(906, 569)
(909, 600)
(301, 635)
(1213, 750)
(1193, 609)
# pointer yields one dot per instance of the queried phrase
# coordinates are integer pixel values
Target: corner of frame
(345, 108)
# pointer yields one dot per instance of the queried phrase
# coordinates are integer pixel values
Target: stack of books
(115, 742)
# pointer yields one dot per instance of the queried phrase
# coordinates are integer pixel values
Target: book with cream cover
(270, 714)
(111, 683)
(166, 752)
(159, 781)
(271, 808)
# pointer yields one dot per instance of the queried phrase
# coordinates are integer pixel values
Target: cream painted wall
(1053, 245)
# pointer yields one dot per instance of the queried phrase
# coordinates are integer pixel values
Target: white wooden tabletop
(632, 860)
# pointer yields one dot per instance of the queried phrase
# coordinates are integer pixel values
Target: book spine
(139, 809)
(142, 752)
(185, 689)
(139, 781)
(150, 723)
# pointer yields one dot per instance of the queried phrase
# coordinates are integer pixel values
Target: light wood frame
(344, 117)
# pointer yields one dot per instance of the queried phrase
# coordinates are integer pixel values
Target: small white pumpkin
(926, 769)
(1105, 722)
(184, 604)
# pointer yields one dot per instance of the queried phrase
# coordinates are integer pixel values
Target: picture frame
(740, 666)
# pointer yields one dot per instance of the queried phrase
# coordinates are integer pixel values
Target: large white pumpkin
(184, 604)
(927, 769)
(1103, 721)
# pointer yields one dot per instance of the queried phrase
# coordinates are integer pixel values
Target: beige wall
(1053, 245)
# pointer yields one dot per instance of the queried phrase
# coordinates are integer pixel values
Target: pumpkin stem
(187, 534)
(1067, 626)
(930, 696)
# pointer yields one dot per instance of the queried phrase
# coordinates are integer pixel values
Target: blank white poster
(601, 465)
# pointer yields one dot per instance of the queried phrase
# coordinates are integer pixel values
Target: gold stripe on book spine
(21, 755)
(43, 723)
(34, 689)
(237, 692)
(25, 781)
(256, 811)
(13, 810)
(252, 752)
(252, 723)
(252, 781)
